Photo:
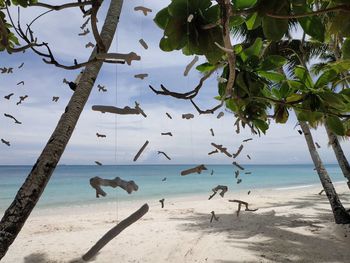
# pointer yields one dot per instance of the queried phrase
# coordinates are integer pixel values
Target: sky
(126, 134)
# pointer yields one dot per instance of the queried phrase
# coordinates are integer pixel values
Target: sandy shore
(291, 225)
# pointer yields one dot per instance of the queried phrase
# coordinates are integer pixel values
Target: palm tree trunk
(339, 154)
(341, 216)
(28, 195)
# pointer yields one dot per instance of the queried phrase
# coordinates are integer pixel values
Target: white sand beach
(291, 225)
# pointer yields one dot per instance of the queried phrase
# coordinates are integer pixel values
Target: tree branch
(64, 6)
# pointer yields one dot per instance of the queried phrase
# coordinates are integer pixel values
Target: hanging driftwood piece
(55, 99)
(169, 116)
(128, 58)
(85, 24)
(190, 65)
(213, 216)
(166, 156)
(20, 66)
(167, 133)
(249, 192)
(248, 157)
(8, 96)
(240, 203)
(187, 116)
(143, 43)
(85, 32)
(11, 117)
(124, 111)
(320, 193)
(215, 190)
(144, 10)
(140, 151)
(317, 145)
(300, 132)
(237, 126)
(237, 165)
(6, 70)
(239, 180)
(212, 172)
(20, 83)
(164, 179)
(236, 173)
(141, 76)
(101, 88)
(115, 231)
(100, 135)
(97, 182)
(190, 18)
(21, 98)
(89, 45)
(73, 85)
(220, 115)
(162, 202)
(246, 140)
(5, 142)
(238, 151)
(248, 173)
(198, 169)
(212, 132)
(212, 152)
(98, 163)
(221, 149)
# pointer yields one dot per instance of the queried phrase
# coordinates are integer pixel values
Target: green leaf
(284, 90)
(261, 125)
(205, 67)
(294, 98)
(236, 21)
(162, 18)
(313, 26)
(281, 114)
(272, 76)
(242, 4)
(335, 125)
(326, 78)
(273, 62)
(273, 28)
(346, 49)
(303, 76)
(253, 21)
(253, 50)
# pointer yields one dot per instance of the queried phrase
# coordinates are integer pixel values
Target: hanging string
(116, 126)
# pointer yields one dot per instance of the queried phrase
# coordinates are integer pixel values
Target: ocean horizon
(69, 184)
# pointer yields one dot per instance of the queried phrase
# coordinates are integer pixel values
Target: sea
(69, 184)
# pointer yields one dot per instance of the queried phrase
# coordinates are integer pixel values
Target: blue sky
(126, 134)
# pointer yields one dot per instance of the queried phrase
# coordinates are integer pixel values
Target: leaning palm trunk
(31, 190)
(339, 154)
(341, 216)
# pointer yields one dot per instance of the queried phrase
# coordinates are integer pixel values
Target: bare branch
(5, 142)
(64, 6)
(238, 151)
(166, 156)
(208, 111)
(222, 149)
(213, 216)
(11, 117)
(94, 9)
(97, 182)
(162, 202)
(140, 151)
(240, 203)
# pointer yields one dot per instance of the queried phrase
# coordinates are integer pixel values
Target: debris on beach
(221, 149)
(190, 65)
(143, 9)
(140, 151)
(162, 202)
(166, 156)
(215, 190)
(198, 169)
(115, 231)
(213, 216)
(240, 203)
(11, 117)
(97, 182)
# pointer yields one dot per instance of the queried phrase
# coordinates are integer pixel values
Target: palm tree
(29, 193)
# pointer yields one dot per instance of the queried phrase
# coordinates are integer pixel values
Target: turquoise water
(70, 184)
